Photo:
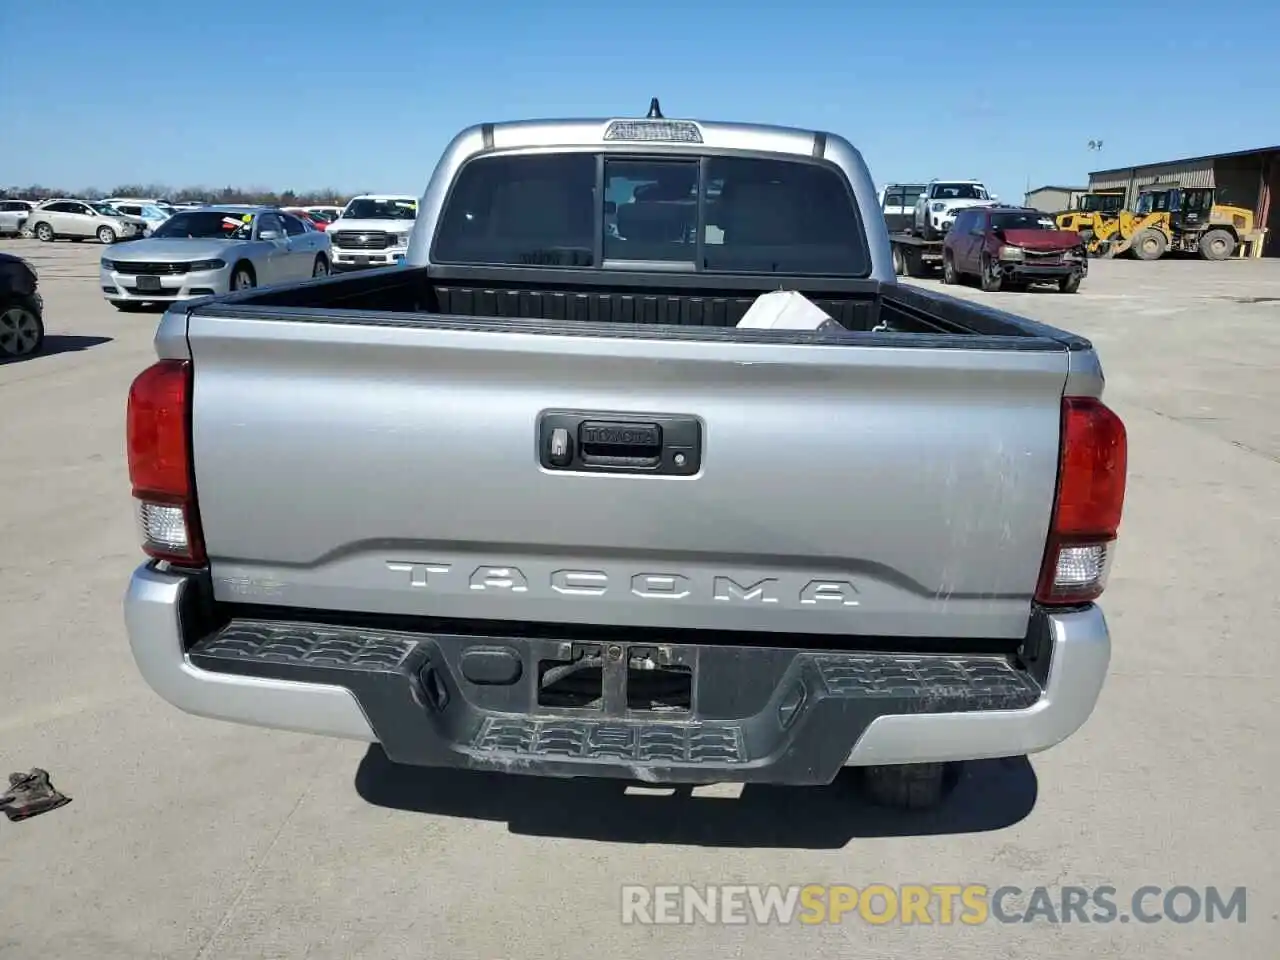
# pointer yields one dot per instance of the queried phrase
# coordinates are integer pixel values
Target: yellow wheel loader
(1185, 219)
(1091, 211)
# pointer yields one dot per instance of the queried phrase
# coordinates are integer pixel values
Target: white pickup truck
(937, 206)
(373, 231)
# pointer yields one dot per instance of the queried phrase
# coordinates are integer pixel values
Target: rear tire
(992, 281)
(912, 262)
(910, 786)
(899, 268)
(1217, 245)
(320, 268)
(949, 275)
(1149, 244)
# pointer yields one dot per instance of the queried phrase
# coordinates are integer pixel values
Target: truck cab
(898, 201)
(1090, 211)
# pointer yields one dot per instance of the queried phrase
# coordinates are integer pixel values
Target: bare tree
(228, 194)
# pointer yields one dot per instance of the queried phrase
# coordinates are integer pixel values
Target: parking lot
(191, 838)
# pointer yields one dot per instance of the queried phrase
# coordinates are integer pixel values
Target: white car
(373, 231)
(13, 214)
(150, 214)
(199, 253)
(937, 207)
(82, 220)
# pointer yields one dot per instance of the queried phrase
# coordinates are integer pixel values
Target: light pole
(1096, 147)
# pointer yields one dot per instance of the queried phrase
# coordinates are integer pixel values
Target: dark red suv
(1012, 248)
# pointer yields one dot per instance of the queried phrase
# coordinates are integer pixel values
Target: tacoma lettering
(587, 583)
(419, 573)
(660, 585)
(763, 591)
(656, 586)
(499, 578)
(830, 592)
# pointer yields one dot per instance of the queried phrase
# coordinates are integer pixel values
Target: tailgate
(841, 489)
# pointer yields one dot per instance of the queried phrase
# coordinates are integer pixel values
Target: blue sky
(364, 94)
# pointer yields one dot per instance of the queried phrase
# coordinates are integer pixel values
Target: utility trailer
(914, 256)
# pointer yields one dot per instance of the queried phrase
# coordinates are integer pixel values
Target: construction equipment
(1171, 217)
(1090, 212)
(1114, 235)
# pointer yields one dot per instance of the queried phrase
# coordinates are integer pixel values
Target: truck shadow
(59, 343)
(991, 795)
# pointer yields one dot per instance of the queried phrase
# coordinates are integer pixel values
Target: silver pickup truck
(533, 502)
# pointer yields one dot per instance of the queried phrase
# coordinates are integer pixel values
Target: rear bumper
(758, 714)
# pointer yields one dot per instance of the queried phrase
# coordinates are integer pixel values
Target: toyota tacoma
(534, 502)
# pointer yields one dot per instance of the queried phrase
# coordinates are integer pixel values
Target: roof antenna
(655, 111)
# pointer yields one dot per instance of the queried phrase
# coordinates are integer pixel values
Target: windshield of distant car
(958, 191)
(366, 209)
(1022, 221)
(106, 210)
(205, 225)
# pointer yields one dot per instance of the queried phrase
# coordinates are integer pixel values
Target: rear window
(901, 195)
(756, 215)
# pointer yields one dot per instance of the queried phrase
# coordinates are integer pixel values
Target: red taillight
(1090, 500)
(159, 449)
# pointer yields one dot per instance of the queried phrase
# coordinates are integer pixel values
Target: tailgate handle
(620, 444)
(587, 442)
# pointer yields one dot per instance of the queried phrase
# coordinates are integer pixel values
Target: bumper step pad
(758, 714)
(654, 742)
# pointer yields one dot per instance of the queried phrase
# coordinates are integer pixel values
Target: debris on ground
(30, 794)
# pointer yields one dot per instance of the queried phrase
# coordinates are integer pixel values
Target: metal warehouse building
(1051, 199)
(1246, 178)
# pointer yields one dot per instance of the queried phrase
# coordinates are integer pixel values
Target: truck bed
(681, 306)
(371, 444)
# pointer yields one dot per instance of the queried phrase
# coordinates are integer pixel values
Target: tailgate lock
(561, 452)
(585, 442)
